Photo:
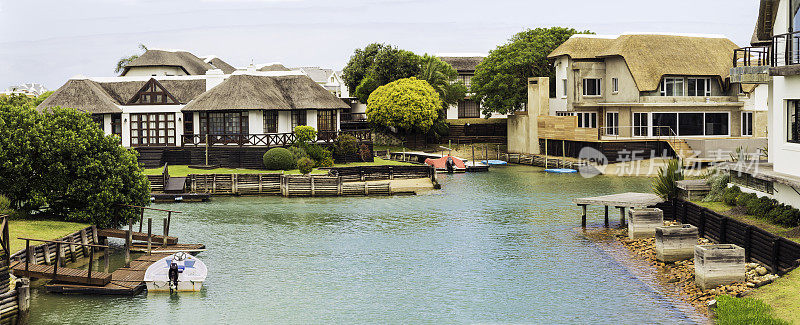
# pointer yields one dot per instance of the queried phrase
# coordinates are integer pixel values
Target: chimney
(214, 77)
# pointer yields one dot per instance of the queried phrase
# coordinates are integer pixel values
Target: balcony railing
(786, 49)
(267, 140)
(751, 57)
(354, 117)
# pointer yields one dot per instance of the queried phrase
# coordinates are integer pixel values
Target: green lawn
(784, 296)
(744, 311)
(724, 209)
(39, 229)
(183, 170)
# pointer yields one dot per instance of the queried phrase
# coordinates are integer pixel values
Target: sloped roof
(463, 63)
(650, 57)
(81, 94)
(767, 12)
(222, 65)
(274, 67)
(190, 63)
(183, 90)
(319, 75)
(244, 91)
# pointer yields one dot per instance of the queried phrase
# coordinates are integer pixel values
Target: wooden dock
(127, 280)
(619, 201)
(65, 274)
(119, 233)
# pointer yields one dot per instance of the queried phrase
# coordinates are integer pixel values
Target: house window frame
(468, 108)
(674, 81)
(747, 124)
(271, 118)
(641, 127)
(598, 83)
(298, 117)
(612, 123)
(326, 120)
(704, 126)
(146, 127)
(587, 120)
(792, 131)
(564, 90)
(615, 85)
(706, 83)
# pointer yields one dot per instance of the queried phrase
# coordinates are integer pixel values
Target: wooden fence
(280, 184)
(544, 161)
(778, 254)
(377, 173)
(46, 253)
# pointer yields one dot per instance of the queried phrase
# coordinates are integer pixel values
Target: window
(612, 123)
(699, 87)
(591, 87)
(672, 87)
(587, 119)
(793, 121)
(270, 121)
(468, 109)
(640, 124)
(224, 124)
(747, 123)
(154, 129)
(565, 113)
(615, 84)
(188, 123)
(795, 15)
(690, 124)
(326, 120)
(298, 118)
(466, 80)
(116, 124)
(564, 89)
(153, 93)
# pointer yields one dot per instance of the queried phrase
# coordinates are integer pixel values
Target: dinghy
(560, 170)
(176, 272)
(494, 163)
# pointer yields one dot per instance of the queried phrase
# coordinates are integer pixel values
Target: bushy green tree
(443, 78)
(305, 165)
(501, 80)
(278, 159)
(377, 65)
(305, 134)
(407, 105)
(60, 162)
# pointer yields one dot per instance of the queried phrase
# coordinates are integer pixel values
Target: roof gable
(81, 94)
(153, 93)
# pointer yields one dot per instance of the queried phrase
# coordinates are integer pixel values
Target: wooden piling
(583, 217)
(149, 234)
(164, 239)
(23, 287)
(141, 216)
(606, 216)
(128, 243)
(106, 254)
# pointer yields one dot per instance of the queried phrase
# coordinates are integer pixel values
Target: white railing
(637, 132)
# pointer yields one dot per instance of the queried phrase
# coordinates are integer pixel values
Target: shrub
(719, 183)
(346, 145)
(744, 198)
(407, 105)
(298, 152)
(319, 154)
(5, 204)
(305, 134)
(364, 153)
(760, 207)
(305, 165)
(326, 162)
(664, 185)
(732, 310)
(731, 195)
(279, 159)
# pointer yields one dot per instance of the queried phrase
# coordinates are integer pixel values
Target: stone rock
(761, 270)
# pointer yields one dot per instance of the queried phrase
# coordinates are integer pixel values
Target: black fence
(778, 254)
(375, 173)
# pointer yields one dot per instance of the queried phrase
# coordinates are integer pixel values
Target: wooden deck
(64, 274)
(125, 280)
(119, 233)
(619, 201)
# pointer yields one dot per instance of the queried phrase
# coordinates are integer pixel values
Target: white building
(26, 89)
(328, 78)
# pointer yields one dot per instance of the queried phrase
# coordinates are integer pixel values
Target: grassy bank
(726, 210)
(39, 229)
(783, 296)
(735, 311)
(183, 170)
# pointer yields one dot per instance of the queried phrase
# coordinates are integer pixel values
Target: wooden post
(164, 240)
(486, 153)
(169, 222)
(58, 260)
(234, 184)
(313, 192)
(141, 217)
(72, 250)
(6, 242)
(94, 235)
(60, 255)
(606, 216)
(472, 144)
(622, 216)
(107, 253)
(91, 260)
(128, 242)
(260, 184)
(47, 259)
(149, 234)
(366, 189)
(545, 153)
(23, 287)
(583, 217)
(207, 149)
(27, 256)
(391, 172)
(84, 241)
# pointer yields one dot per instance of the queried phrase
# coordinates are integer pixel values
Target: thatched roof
(767, 12)
(190, 63)
(463, 63)
(81, 94)
(183, 90)
(222, 65)
(650, 57)
(274, 67)
(582, 47)
(244, 91)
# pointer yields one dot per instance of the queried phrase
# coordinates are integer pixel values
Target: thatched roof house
(84, 95)
(463, 64)
(189, 63)
(273, 67)
(283, 92)
(651, 57)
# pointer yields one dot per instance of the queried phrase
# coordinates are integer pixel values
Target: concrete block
(675, 243)
(716, 265)
(642, 222)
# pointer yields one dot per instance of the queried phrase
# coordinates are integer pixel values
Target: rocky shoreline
(681, 274)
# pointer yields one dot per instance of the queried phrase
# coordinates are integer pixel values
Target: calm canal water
(494, 247)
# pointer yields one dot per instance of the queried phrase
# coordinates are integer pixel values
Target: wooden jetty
(54, 272)
(620, 201)
(119, 233)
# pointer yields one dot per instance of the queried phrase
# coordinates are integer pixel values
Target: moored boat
(176, 272)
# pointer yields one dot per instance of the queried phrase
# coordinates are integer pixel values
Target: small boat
(176, 272)
(449, 164)
(560, 171)
(492, 162)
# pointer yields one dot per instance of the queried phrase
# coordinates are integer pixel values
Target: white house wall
(285, 122)
(311, 118)
(782, 154)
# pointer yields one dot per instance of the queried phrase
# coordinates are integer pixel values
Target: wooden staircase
(682, 150)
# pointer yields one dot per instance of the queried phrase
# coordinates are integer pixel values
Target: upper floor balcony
(751, 65)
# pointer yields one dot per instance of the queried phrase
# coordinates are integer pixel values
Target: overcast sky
(50, 41)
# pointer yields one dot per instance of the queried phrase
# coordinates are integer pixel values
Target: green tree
(443, 78)
(42, 97)
(377, 65)
(60, 162)
(406, 105)
(125, 60)
(500, 81)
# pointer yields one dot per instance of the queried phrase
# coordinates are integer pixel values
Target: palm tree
(125, 61)
(442, 77)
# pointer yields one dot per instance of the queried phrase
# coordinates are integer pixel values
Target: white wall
(107, 124)
(311, 118)
(126, 129)
(782, 154)
(284, 122)
(255, 121)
